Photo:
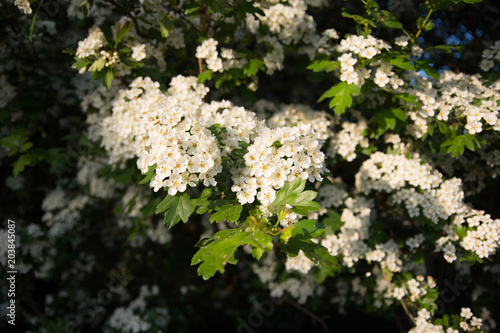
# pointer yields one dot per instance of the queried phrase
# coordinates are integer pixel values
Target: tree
(316, 152)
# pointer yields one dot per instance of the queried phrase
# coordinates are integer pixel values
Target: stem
(200, 66)
(203, 18)
(202, 29)
(368, 11)
(408, 35)
(424, 23)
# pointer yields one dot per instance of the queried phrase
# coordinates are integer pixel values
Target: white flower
(23, 5)
(138, 52)
(416, 51)
(90, 45)
(402, 41)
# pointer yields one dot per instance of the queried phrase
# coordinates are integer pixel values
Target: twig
(307, 312)
(402, 301)
(200, 65)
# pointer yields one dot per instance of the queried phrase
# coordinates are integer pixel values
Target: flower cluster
(452, 96)
(290, 22)
(483, 233)
(415, 288)
(345, 141)
(350, 242)
(298, 289)
(62, 214)
(229, 59)
(354, 48)
(132, 318)
(165, 133)
(90, 45)
(171, 131)
(490, 56)
(392, 173)
(424, 323)
(278, 156)
(288, 115)
(299, 263)
(208, 50)
(275, 57)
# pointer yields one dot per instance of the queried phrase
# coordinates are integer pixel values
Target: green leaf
(429, 25)
(32, 27)
(108, 35)
(457, 144)
(166, 26)
(443, 128)
(402, 63)
(315, 252)
(332, 222)
(215, 255)
(257, 252)
(470, 258)
(445, 48)
(230, 213)
(286, 234)
(204, 76)
(34, 156)
(26, 146)
(150, 174)
(184, 207)
(359, 19)
(341, 94)
(408, 98)
(261, 240)
(324, 65)
(177, 207)
(222, 250)
(98, 65)
(22, 162)
(444, 4)
(222, 7)
(303, 204)
(192, 9)
(293, 194)
(14, 142)
(387, 119)
(288, 193)
(165, 204)
(398, 113)
(427, 68)
(389, 20)
(306, 229)
(108, 77)
(430, 128)
(123, 31)
(202, 202)
(429, 300)
(323, 272)
(81, 63)
(253, 67)
(461, 232)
